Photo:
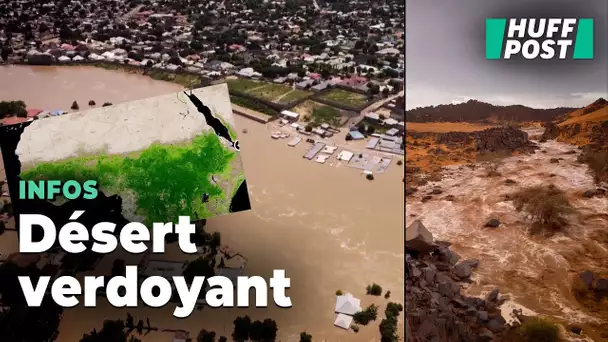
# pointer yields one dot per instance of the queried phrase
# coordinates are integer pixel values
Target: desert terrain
(515, 215)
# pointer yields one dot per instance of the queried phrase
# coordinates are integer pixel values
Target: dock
(314, 150)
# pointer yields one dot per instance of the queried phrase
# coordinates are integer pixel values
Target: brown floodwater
(536, 272)
(329, 227)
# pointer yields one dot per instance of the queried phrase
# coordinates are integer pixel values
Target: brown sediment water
(535, 271)
(51, 87)
(328, 227)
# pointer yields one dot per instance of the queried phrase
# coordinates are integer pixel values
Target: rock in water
(589, 193)
(496, 324)
(601, 285)
(463, 270)
(418, 238)
(587, 277)
(493, 223)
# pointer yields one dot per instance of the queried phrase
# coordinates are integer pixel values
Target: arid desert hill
(518, 210)
(587, 128)
(481, 112)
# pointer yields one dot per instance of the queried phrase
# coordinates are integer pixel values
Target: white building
(290, 115)
(347, 304)
(343, 321)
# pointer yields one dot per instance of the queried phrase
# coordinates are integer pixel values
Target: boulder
(486, 336)
(436, 191)
(418, 238)
(575, 329)
(429, 275)
(492, 296)
(473, 263)
(445, 289)
(463, 270)
(493, 223)
(496, 324)
(601, 285)
(447, 255)
(428, 331)
(587, 277)
(410, 191)
(589, 193)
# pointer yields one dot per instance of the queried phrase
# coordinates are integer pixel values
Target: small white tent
(343, 321)
(348, 304)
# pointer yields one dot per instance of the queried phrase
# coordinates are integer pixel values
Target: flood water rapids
(535, 271)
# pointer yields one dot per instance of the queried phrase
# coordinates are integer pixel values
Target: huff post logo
(553, 38)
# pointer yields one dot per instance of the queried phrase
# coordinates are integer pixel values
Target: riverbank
(183, 78)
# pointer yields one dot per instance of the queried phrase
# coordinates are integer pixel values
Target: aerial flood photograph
(311, 146)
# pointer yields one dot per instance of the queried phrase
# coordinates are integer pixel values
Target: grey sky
(445, 56)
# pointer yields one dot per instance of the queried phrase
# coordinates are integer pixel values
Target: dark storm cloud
(445, 55)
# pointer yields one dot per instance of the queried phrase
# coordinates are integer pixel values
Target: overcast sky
(445, 56)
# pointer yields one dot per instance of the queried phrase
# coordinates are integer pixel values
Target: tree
(75, 106)
(113, 330)
(196, 45)
(374, 289)
(8, 108)
(91, 103)
(223, 339)
(43, 27)
(205, 336)
(305, 337)
(369, 314)
(18, 322)
(370, 130)
(263, 331)
(388, 326)
(241, 328)
(199, 267)
(308, 127)
(362, 128)
(385, 92)
(106, 104)
(5, 52)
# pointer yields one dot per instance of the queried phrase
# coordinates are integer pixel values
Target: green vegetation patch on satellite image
(168, 180)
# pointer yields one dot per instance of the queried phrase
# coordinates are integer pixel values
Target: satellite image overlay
(165, 156)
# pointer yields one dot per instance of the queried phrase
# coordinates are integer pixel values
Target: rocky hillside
(587, 128)
(429, 152)
(476, 111)
(436, 310)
